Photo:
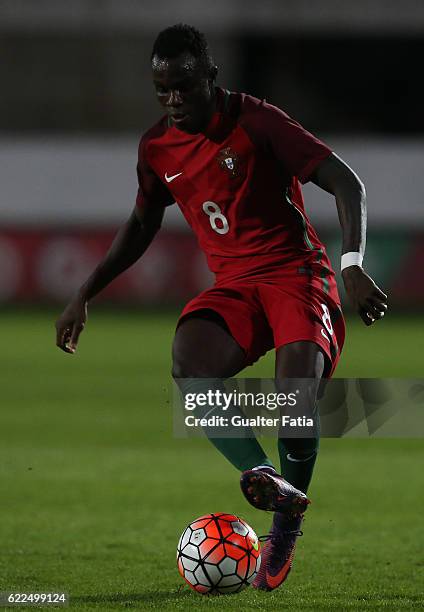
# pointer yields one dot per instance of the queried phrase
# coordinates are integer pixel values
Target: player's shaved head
(183, 39)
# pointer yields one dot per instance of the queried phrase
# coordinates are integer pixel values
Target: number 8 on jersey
(214, 213)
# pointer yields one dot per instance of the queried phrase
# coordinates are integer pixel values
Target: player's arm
(334, 176)
(130, 243)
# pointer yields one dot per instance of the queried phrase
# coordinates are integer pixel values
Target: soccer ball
(218, 553)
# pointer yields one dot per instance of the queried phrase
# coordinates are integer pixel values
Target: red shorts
(266, 313)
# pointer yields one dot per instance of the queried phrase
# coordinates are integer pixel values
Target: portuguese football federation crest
(229, 161)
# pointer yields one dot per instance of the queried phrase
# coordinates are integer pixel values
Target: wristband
(351, 259)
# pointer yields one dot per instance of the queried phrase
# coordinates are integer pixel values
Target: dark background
(98, 82)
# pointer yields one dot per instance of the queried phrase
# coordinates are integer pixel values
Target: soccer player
(234, 165)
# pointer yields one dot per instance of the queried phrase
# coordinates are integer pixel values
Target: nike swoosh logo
(275, 581)
(290, 458)
(169, 179)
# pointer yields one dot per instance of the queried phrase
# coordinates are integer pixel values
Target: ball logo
(254, 542)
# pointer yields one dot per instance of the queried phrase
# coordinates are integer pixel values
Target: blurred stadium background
(81, 509)
(77, 94)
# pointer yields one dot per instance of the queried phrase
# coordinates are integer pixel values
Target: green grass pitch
(95, 490)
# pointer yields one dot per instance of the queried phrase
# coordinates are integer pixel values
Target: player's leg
(308, 333)
(298, 365)
(205, 353)
(302, 363)
(298, 370)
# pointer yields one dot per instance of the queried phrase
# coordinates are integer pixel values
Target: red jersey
(238, 185)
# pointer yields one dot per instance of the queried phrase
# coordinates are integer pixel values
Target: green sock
(298, 455)
(297, 459)
(243, 452)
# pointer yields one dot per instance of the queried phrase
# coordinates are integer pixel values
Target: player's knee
(303, 391)
(179, 371)
(301, 359)
(193, 361)
(180, 362)
(185, 365)
(192, 368)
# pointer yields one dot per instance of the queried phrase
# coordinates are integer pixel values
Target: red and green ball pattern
(218, 553)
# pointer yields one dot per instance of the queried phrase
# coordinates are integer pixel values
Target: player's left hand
(368, 300)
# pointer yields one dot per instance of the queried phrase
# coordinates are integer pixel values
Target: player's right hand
(70, 324)
(367, 299)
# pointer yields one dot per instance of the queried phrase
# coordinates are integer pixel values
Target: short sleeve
(151, 190)
(298, 150)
